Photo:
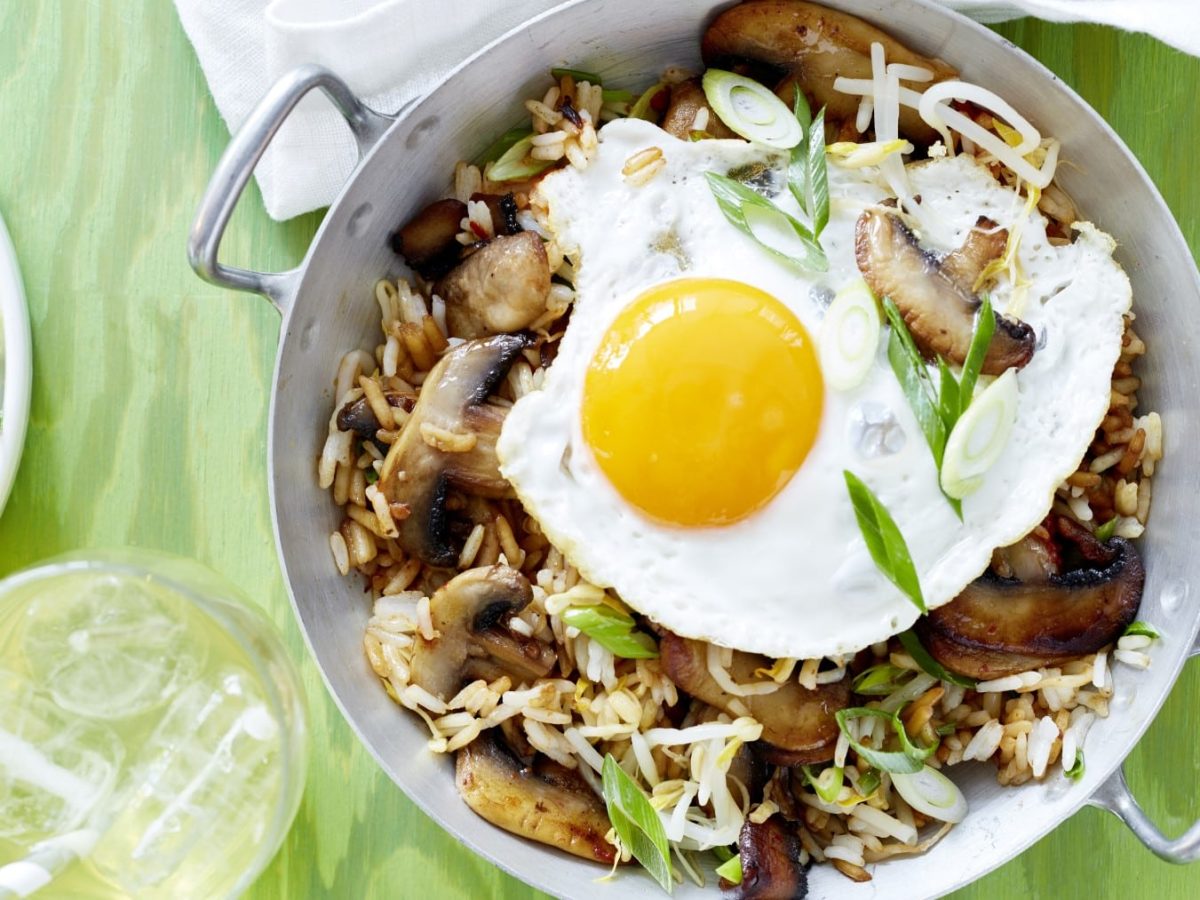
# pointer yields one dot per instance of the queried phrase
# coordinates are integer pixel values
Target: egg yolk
(702, 401)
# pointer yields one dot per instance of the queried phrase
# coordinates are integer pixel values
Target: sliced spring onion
(818, 176)
(751, 110)
(849, 337)
(884, 540)
(731, 870)
(723, 853)
(878, 681)
(948, 728)
(748, 210)
(827, 783)
(913, 375)
(909, 759)
(869, 781)
(929, 665)
(1141, 628)
(930, 792)
(979, 437)
(612, 630)
(1077, 769)
(981, 340)
(502, 144)
(577, 74)
(643, 108)
(516, 164)
(1107, 530)
(638, 827)
(617, 96)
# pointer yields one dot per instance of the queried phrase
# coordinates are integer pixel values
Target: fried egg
(685, 450)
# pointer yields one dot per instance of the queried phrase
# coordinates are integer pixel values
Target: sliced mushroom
(472, 638)
(542, 801)
(810, 45)
(449, 442)
(798, 724)
(771, 867)
(938, 310)
(502, 287)
(983, 243)
(1031, 560)
(687, 99)
(427, 241)
(999, 627)
(357, 415)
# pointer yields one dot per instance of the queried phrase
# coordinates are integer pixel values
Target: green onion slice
(617, 96)
(751, 110)
(731, 870)
(502, 144)
(757, 217)
(909, 759)
(849, 337)
(1107, 530)
(868, 781)
(913, 375)
(1142, 628)
(642, 109)
(928, 664)
(636, 823)
(884, 540)
(827, 783)
(818, 175)
(878, 681)
(612, 630)
(577, 74)
(1077, 768)
(979, 437)
(516, 164)
(930, 792)
(985, 327)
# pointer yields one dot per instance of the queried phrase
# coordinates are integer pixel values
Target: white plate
(16, 365)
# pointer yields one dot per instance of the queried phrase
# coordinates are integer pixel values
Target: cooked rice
(594, 704)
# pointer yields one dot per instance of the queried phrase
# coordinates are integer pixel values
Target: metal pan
(327, 308)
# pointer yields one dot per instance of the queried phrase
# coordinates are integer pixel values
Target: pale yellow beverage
(157, 725)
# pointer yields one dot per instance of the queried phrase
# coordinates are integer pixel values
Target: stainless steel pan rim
(317, 293)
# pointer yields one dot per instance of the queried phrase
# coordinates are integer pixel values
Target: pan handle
(237, 165)
(1114, 795)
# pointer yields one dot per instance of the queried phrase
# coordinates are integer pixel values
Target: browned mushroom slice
(687, 99)
(771, 867)
(357, 415)
(473, 639)
(983, 243)
(501, 287)
(427, 241)
(449, 442)
(798, 724)
(810, 45)
(999, 627)
(542, 801)
(938, 310)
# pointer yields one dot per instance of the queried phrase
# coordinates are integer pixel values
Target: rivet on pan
(420, 131)
(1172, 596)
(359, 219)
(311, 329)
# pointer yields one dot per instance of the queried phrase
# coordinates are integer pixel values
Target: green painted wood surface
(151, 391)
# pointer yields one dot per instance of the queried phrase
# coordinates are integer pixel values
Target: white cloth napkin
(390, 51)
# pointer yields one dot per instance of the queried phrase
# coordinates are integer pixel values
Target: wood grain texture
(151, 392)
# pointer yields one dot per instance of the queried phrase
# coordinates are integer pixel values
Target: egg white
(795, 579)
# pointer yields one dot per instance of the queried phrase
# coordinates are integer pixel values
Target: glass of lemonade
(152, 729)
